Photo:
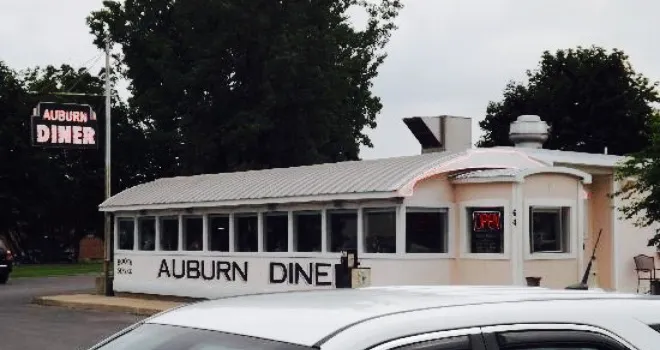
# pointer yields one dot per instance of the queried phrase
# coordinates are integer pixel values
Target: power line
(84, 65)
(82, 74)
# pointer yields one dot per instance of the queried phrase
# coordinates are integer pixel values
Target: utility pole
(108, 218)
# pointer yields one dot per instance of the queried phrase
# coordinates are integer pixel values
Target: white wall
(138, 272)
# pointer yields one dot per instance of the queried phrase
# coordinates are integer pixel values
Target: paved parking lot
(31, 327)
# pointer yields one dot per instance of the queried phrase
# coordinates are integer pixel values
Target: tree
(230, 84)
(640, 176)
(591, 99)
(55, 192)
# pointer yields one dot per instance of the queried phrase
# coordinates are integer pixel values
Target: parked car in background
(404, 318)
(6, 262)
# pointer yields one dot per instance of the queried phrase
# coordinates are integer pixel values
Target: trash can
(533, 281)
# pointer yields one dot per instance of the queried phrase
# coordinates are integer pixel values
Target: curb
(86, 306)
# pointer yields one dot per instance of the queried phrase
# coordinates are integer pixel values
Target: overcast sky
(447, 57)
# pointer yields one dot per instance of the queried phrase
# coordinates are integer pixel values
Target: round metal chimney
(528, 131)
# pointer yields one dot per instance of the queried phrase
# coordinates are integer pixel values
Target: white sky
(448, 56)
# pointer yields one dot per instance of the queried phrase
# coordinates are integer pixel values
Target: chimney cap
(528, 131)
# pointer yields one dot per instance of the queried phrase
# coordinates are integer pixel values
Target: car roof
(309, 317)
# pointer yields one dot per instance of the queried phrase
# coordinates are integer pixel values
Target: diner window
(379, 230)
(193, 232)
(147, 233)
(219, 233)
(426, 230)
(342, 229)
(486, 230)
(276, 231)
(246, 232)
(307, 231)
(169, 233)
(126, 231)
(549, 229)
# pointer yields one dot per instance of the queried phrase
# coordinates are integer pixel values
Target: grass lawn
(47, 270)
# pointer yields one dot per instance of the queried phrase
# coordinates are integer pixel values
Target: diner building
(452, 215)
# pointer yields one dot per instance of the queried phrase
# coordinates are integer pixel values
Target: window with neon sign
(486, 229)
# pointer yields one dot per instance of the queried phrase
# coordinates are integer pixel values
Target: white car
(404, 318)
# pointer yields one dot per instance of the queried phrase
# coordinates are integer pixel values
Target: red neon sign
(486, 221)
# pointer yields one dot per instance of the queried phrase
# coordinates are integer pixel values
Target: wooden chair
(645, 268)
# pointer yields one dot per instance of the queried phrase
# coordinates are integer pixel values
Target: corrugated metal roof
(367, 176)
(355, 177)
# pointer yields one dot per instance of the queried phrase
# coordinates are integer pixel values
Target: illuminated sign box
(64, 125)
(487, 228)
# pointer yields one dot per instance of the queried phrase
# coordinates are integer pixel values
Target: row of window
(426, 231)
(549, 230)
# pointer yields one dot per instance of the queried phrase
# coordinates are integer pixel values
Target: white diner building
(451, 215)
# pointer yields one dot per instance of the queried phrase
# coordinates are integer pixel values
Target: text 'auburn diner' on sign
(64, 125)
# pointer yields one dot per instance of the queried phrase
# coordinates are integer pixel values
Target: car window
(568, 347)
(566, 339)
(450, 343)
(164, 337)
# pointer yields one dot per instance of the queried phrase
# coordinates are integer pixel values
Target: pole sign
(64, 125)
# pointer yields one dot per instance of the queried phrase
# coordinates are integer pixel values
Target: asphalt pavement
(24, 326)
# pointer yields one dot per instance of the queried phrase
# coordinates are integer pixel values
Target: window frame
(363, 225)
(358, 227)
(465, 234)
(562, 239)
(449, 226)
(209, 234)
(295, 213)
(493, 334)
(139, 220)
(244, 214)
(160, 232)
(573, 217)
(473, 333)
(264, 227)
(117, 246)
(184, 232)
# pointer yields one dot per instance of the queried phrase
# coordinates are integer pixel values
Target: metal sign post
(108, 219)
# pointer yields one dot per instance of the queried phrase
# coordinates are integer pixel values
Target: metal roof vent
(529, 131)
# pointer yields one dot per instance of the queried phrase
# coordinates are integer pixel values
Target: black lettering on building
(206, 270)
(322, 270)
(211, 274)
(275, 278)
(164, 269)
(243, 272)
(305, 274)
(316, 274)
(192, 269)
(223, 268)
(183, 269)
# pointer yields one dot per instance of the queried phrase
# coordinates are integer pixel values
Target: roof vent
(529, 131)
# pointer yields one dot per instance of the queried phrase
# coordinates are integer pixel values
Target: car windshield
(150, 336)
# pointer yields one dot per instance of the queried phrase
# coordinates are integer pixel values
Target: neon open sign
(489, 220)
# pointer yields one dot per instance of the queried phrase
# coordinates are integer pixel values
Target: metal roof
(353, 177)
(376, 178)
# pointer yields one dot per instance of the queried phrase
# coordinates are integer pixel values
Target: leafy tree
(230, 84)
(640, 176)
(55, 192)
(592, 99)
